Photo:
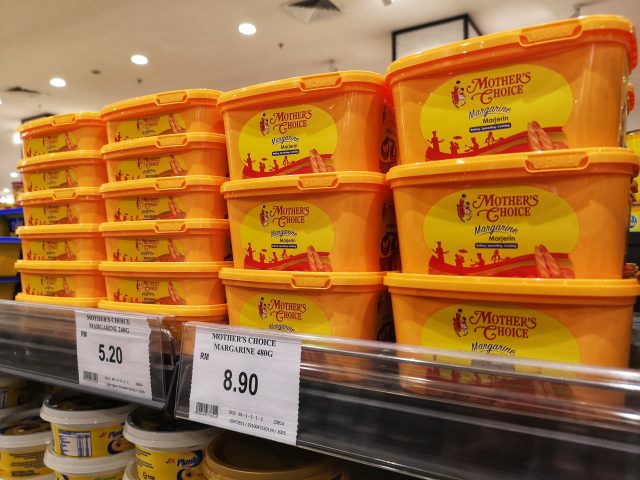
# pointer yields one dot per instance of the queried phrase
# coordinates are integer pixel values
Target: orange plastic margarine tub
(336, 121)
(63, 206)
(167, 241)
(561, 214)
(166, 198)
(340, 221)
(178, 111)
(61, 279)
(164, 284)
(545, 87)
(173, 155)
(62, 133)
(62, 242)
(79, 168)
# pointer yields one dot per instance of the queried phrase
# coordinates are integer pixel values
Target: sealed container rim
(164, 267)
(80, 302)
(289, 277)
(568, 29)
(173, 310)
(131, 471)
(10, 442)
(204, 95)
(84, 466)
(170, 183)
(60, 194)
(76, 228)
(180, 141)
(62, 119)
(83, 266)
(198, 436)
(99, 416)
(515, 286)
(52, 158)
(325, 81)
(165, 227)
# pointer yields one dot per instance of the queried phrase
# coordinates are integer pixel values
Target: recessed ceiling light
(57, 82)
(16, 138)
(0, 101)
(247, 28)
(139, 59)
(5, 190)
(14, 175)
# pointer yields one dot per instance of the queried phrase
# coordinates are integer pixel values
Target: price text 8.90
(246, 382)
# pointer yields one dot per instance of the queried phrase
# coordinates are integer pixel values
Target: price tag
(113, 353)
(246, 381)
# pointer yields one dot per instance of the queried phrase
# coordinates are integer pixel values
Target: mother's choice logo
(282, 215)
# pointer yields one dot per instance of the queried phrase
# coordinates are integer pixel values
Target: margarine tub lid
(304, 182)
(302, 280)
(26, 429)
(541, 36)
(569, 161)
(162, 184)
(131, 472)
(164, 100)
(173, 310)
(61, 157)
(311, 83)
(161, 227)
(81, 302)
(153, 429)
(69, 409)
(64, 229)
(7, 413)
(62, 194)
(163, 267)
(85, 266)
(87, 466)
(170, 142)
(241, 457)
(67, 119)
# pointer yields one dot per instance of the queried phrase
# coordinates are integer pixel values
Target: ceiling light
(14, 175)
(57, 82)
(5, 190)
(247, 28)
(0, 101)
(139, 59)
(16, 139)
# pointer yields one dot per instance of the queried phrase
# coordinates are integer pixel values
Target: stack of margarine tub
(311, 217)
(62, 170)
(512, 233)
(166, 236)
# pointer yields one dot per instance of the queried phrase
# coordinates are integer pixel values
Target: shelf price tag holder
(113, 352)
(246, 380)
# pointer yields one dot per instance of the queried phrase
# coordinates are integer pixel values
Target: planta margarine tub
(167, 448)
(86, 426)
(23, 440)
(88, 468)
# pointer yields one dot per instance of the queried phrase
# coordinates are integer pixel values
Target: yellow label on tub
(634, 222)
(84, 442)
(150, 167)
(48, 285)
(284, 312)
(287, 235)
(510, 109)
(61, 214)
(151, 291)
(149, 208)
(49, 179)
(501, 231)
(49, 249)
(110, 476)
(150, 126)
(288, 140)
(160, 249)
(26, 463)
(10, 396)
(157, 465)
(61, 142)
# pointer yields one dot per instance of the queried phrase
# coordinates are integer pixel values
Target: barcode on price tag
(247, 381)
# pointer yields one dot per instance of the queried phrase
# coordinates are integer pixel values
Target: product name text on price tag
(248, 381)
(113, 353)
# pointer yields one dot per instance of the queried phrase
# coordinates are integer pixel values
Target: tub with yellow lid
(166, 198)
(62, 242)
(159, 283)
(340, 221)
(88, 468)
(63, 206)
(544, 87)
(23, 440)
(167, 241)
(62, 133)
(337, 121)
(178, 111)
(60, 301)
(172, 155)
(9, 253)
(79, 168)
(561, 214)
(57, 278)
(232, 456)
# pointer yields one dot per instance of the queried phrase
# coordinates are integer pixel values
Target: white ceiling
(195, 43)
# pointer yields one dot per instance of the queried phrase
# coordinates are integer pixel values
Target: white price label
(248, 382)
(113, 353)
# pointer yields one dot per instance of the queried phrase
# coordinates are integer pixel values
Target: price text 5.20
(109, 353)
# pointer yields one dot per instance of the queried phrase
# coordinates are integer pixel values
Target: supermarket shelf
(453, 415)
(39, 342)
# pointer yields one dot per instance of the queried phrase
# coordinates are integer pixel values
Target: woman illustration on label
(249, 162)
(250, 251)
(456, 97)
(490, 140)
(67, 290)
(457, 322)
(467, 211)
(459, 261)
(276, 167)
(264, 125)
(70, 216)
(68, 142)
(435, 142)
(262, 257)
(262, 166)
(453, 146)
(67, 250)
(262, 309)
(264, 216)
(440, 252)
(460, 210)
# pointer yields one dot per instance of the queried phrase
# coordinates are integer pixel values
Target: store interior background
(196, 44)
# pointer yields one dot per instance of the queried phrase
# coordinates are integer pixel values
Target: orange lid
(80, 302)
(55, 158)
(61, 194)
(71, 229)
(309, 84)
(163, 100)
(164, 310)
(163, 267)
(172, 142)
(302, 280)
(164, 226)
(514, 286)
(611, 28)
(568, 161)
(66, 120)
(162, 184)
(57, 265)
